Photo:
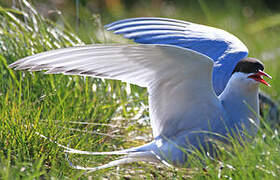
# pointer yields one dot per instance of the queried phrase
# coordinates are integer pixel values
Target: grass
(105, 115)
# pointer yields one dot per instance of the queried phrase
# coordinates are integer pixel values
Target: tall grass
(101, 115)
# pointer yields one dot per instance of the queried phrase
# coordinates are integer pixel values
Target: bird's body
(185, 109)
(233, 114)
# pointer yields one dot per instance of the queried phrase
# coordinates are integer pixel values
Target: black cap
(248, 65)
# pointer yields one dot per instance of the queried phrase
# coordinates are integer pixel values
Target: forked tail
(143, 153)
(147, 156)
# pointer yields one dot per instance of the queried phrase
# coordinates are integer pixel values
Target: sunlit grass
(105, 115)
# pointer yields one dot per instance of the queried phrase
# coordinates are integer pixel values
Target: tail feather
(131, 157)
(76, 151)
(143, 148)
(143, 153)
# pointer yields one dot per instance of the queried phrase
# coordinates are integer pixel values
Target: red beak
(258, 77)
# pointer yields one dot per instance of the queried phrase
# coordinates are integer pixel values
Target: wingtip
(23, 67)
(111, 25)
(13, 65)
(19, 65)
(107, 26)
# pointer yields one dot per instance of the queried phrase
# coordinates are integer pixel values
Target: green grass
(67, 108)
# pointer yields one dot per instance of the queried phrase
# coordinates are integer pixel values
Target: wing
(178, 79)
(224, 48)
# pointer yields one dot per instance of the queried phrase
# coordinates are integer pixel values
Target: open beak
(258, 77)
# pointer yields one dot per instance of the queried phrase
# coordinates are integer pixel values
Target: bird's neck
(242, 91)
(241, 103)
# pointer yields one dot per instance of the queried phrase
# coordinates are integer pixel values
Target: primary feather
(167, 71)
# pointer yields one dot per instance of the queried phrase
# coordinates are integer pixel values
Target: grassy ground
(103, 115)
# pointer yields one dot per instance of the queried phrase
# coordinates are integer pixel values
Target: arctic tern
(187, 97)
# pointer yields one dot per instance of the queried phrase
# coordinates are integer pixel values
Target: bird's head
(250, 71)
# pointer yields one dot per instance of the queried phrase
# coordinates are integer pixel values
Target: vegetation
(104, 115)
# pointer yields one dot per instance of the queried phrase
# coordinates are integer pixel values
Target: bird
(188, 101)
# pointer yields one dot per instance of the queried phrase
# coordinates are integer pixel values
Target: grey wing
(222, 47)
(178, 80)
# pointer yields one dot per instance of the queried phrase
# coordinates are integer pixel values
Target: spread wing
(224, 48)
(178, 79)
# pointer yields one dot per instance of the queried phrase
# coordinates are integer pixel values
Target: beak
(258, 77)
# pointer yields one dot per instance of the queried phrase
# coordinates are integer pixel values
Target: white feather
(177, 79)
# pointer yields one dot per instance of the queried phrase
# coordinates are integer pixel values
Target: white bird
(182, 102)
